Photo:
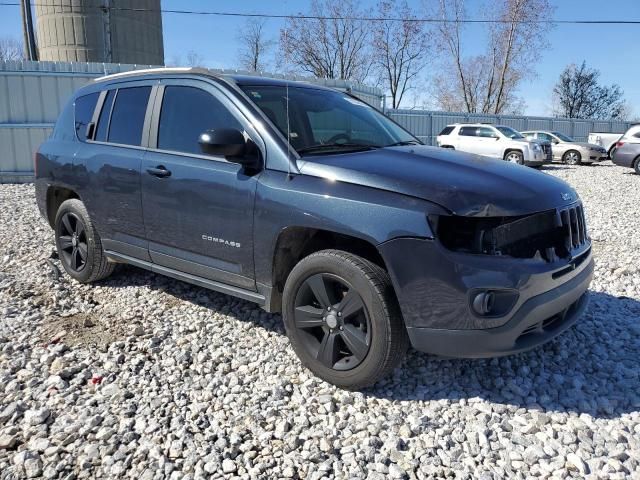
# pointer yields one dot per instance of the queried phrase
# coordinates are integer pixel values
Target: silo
(112, 31)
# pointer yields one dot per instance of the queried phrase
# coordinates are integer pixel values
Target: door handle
(160, 171)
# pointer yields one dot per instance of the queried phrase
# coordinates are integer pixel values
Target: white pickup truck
(605, 140)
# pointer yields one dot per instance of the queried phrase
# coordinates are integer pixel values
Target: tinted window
(486, 132)
(544, 136)
(188, 112)
(127, 117)
(446, 131)
(637, 135)
(84, 107)
(325, 121)
(103, 121)
(468, 131)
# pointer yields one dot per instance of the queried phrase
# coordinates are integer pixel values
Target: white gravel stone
(208, 386)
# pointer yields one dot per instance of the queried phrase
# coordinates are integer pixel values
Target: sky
(610, 49)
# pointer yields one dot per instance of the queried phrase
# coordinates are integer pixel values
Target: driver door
(198, 209)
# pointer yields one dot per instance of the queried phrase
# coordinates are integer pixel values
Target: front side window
(127, 117)
(510, 132)
(186, 113)
(487, 132)
(326, 121)
(83, 113)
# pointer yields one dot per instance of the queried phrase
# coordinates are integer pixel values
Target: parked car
(567, 150)
(495, 141)
(309, 202)
(605, 140)
(627, 150)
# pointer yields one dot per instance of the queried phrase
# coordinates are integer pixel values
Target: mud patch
(80, 329)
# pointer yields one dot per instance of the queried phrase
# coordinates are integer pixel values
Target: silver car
(567, 150)
(627, 150)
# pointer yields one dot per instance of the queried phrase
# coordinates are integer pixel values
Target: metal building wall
(118, 31)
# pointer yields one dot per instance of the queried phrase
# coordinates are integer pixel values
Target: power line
(321, 17)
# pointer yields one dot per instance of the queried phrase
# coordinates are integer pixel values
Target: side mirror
(496, 138)
(228, 142)
(556, 142)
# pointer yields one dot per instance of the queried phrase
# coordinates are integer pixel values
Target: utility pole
(106, 13)
(30, 50)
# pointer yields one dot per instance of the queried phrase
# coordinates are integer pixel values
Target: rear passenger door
(198, 214)
(109, 164)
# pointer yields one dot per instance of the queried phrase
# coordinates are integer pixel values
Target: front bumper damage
(436, 288)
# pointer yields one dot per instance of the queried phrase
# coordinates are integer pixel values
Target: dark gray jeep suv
(309, 202)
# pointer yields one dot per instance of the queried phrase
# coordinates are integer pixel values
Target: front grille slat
(574, 226)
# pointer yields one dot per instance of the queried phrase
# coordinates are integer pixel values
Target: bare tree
(336, 46)
(488, 83)
(400, 48)
(254, 45)
(193, 59)
(578, 94)
(11, 49)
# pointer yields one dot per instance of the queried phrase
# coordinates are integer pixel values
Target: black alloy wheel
(333, 321)
(73, 242)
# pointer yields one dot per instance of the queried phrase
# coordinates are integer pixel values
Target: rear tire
(79, 245)
(343, 320)
(572, 157)
(637, 166)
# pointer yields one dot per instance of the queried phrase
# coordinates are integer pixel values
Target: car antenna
(286, 84)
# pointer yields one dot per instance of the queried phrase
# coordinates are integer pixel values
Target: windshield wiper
(405, 142)
(335, 146)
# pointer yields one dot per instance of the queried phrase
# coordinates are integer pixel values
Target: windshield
(563, 137)
(326, 121)
(509, 132)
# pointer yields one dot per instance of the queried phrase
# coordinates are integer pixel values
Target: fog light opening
(483, 303)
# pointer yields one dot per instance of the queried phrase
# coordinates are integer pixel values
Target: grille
(574, 227)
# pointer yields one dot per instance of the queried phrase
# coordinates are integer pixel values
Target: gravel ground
(145, 377)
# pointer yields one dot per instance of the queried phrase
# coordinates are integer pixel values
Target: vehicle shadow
(592, 368)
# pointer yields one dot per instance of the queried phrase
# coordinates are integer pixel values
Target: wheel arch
(55, 196)
(296, 242)
(508, 150)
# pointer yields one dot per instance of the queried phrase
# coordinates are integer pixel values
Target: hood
(465, 184)
(586, 145)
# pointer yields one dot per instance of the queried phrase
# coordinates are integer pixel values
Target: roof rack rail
(142, 71)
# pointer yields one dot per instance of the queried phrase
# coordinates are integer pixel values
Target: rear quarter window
(83, 113)
(446, 131)
(63, 129)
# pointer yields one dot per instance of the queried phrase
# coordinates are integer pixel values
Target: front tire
(637, 166)
(572, 157)
(514, 156)
(343, 320)
(79, 245)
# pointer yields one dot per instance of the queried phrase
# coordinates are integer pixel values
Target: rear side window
(469, 131)
(127, 117)
(188, 112)
(446, 131)
(105, 114)
(83, 113)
